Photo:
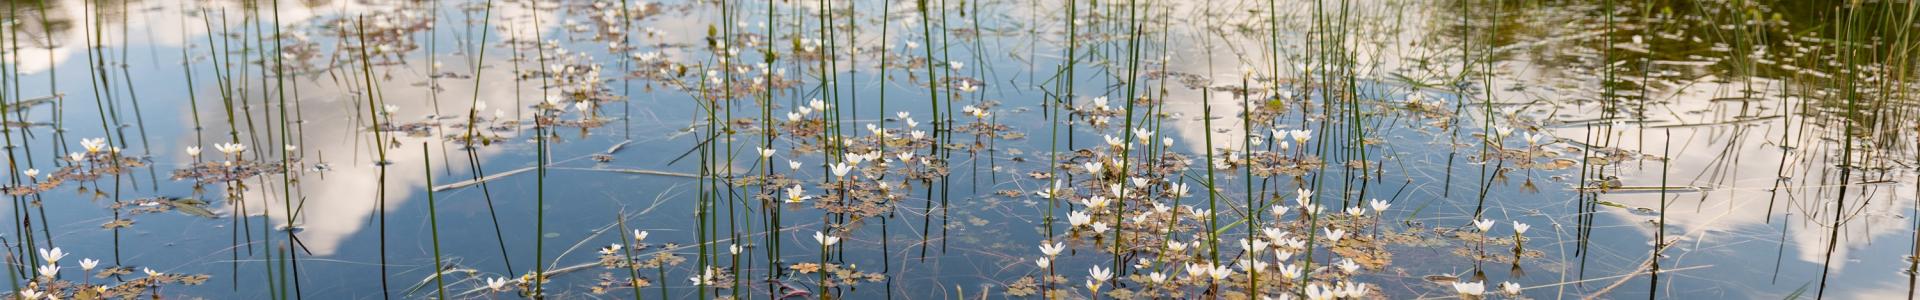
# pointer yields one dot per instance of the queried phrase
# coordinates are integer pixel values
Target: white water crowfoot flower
(1483, 224)
(94, 145)
(796, 194)
(230, 148)
(1351, 290)
(1052, 250)
(1096, 277)
(1347, 265)
(53, 255)
(497, 284)
(1301, 136)
(1078, 218)
(610, 249)
(1303, 198)
(1316, 291)
(193, 151)
(1520, 228)
(1334, 235)
(765, 152)
(1099, 227)
(841, 169)
(88, 264)
(1379, 205)
(1476, 288)
(30, 294)
(151, 272)
(30, 173)
(1533, 139)
(49, 270)
(1043, 262)
(824, 239)
(1095, 202)
(1510, 288)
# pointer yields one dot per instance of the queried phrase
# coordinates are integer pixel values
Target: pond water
(937, 149)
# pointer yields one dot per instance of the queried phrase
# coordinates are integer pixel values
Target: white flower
(1078, 218)
(49, 271)
(1176, 246)
(765, 152)
(1157, 277)
(1099, 227)
(1143, 134)
(1502, 132)
(797, 194)
(1290, 271)
(53, 255)
(841, 169)
(735, 249)
(93, 145)
(151, 272)
(31, 173)
(1334, 235)
(1095, 202)
(1316, 291)
(498, 284)
(89, 263)
(1304, 198)
(230, 148)
(1351, 290)
(77, 157)
(1219, 272)
(1052, 250)
(824, 239)
(1347, 265)
(816, 104)
(639, 235)
(1379, 205)
(1301, 136)
(1101, 274)
(1520, 228)
(1483, 224)
(1043, 262)
(1356, 211)
(793, 164)
(1510, 288)
(1470, 288)
(1534, 139)
(30, 294)
(1195, 270)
